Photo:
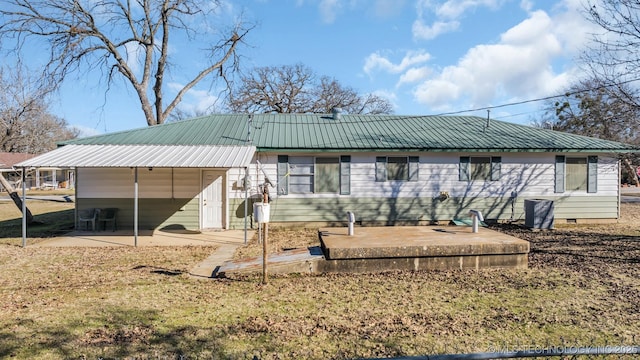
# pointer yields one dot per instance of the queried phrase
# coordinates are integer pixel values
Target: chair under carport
(106, 216)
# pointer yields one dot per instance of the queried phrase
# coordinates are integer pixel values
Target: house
(7, 161)
(205, 173)
(40, 178)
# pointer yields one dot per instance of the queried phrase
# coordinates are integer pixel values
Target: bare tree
(26, 125)
(127, 39)
(613, 59)
(613, 55)
(296, 89)
(596, 109)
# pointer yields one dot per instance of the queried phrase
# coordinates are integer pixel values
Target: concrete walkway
(209, 267)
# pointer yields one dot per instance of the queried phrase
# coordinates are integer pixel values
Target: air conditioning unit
(538, 214)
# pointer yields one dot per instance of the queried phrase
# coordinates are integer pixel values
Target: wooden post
(265, 200)
(13, 194)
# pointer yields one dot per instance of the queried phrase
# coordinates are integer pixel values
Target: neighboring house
(387, 169)
(7, 160)
(40, 178)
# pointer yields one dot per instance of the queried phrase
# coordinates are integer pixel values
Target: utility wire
(539, 99)
(388, 117)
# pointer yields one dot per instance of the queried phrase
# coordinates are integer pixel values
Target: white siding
(236, 175)
(159, 183)
(522, 175)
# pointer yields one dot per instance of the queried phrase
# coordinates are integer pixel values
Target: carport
(137, 157)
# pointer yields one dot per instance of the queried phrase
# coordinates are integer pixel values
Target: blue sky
(425, 56)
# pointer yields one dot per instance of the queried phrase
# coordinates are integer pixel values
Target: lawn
(581, 289)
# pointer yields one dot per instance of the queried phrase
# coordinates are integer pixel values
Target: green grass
(57, 303)
(51, 218)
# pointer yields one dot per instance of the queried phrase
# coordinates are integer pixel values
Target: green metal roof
(317, 132)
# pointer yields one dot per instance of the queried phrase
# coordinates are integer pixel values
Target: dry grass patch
(125, 302)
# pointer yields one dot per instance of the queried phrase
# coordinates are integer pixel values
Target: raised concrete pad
(417, 241)
(420, 248)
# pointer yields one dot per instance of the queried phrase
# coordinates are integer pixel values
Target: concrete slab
(291, 261)
(146, 238)
(417, 241)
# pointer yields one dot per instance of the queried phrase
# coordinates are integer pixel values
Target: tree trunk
(633, 175)
(16, 198)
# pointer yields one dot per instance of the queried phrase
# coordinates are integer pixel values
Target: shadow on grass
(114, 332)
(45, 225)
(579, 246)
(161, 271)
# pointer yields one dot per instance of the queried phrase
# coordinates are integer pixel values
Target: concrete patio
(147, 238)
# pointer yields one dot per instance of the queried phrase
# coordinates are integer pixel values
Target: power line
(522, 102)
(391, 118)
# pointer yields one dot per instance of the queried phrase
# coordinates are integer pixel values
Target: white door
(211, 199)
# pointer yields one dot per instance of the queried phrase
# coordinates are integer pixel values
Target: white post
(246, 201)
(135, 207)
(24, 208)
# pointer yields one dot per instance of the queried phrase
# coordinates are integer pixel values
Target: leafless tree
(297, 89)
(26, 124)
(598, 109)
(129, 39)
(613, 60)
(594, 109)
(613, 55)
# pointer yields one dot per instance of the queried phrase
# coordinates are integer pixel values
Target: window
(403, 168)
(308, 175)
(327, 175)
(480, 168)
(576, 174)
(301, 174)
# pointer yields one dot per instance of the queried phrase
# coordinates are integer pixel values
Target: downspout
(135, 207)
(24, 208)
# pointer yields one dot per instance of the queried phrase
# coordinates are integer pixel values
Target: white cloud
(423, 31)
(85, 131)
(446, 15)
(376, 61)
(526, 5)
(387, 8)
(414, 75)
(134, 54)
(519, 66)
(328, 10)
(195, 101)
(453, 9)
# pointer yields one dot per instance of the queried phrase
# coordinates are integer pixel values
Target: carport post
(246, 199)
(24, 208)
(135, 206)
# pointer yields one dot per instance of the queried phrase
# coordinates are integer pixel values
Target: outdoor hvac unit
(538, 213)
